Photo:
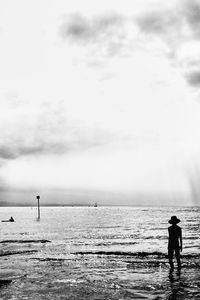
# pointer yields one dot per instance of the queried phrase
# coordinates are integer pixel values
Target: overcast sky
(100, 97)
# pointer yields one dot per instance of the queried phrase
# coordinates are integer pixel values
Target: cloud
(183, 18)
(104, 33)
(82, 29)
(77, 28)
(194, 78)
(158, 22)
(47, 129)
(165, 23)
(191, 11)
(177, 27)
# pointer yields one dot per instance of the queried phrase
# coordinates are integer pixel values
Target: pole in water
(38, 199)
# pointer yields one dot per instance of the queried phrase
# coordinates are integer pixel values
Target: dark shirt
(175, 235)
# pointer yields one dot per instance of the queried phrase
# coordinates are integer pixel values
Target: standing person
(175, 241)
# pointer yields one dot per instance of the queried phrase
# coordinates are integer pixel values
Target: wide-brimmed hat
(174, 220)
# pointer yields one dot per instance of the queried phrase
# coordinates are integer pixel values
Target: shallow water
(97, 253)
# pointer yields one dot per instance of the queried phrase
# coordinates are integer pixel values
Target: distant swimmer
(174, 242)
(10, 220)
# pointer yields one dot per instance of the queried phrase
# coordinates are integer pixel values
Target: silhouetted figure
(175, 242)
(11, 219)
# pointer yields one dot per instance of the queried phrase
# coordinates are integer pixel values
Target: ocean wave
(191, 238)
(157, 237)
(24, 241)
(50, 259)
(106, 227)
(135, 254)
(105, 244)
(117, 244)
(6, 253)
(122, 253)
(5, 282)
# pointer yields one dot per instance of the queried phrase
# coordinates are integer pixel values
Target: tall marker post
(38, 199)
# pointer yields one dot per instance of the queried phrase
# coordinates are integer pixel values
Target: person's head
(174, 220)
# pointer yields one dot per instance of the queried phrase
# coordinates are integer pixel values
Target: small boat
(95, 205)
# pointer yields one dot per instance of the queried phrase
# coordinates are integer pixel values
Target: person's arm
(181, 242)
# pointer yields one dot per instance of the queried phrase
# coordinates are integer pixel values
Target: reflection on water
(183, 284)
(175, 285)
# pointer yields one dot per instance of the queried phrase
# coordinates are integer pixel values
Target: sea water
(97, 253)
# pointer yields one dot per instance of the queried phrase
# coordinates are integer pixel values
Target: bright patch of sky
(100, 95)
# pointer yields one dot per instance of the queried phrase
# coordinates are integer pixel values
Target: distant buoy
(38, 199)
